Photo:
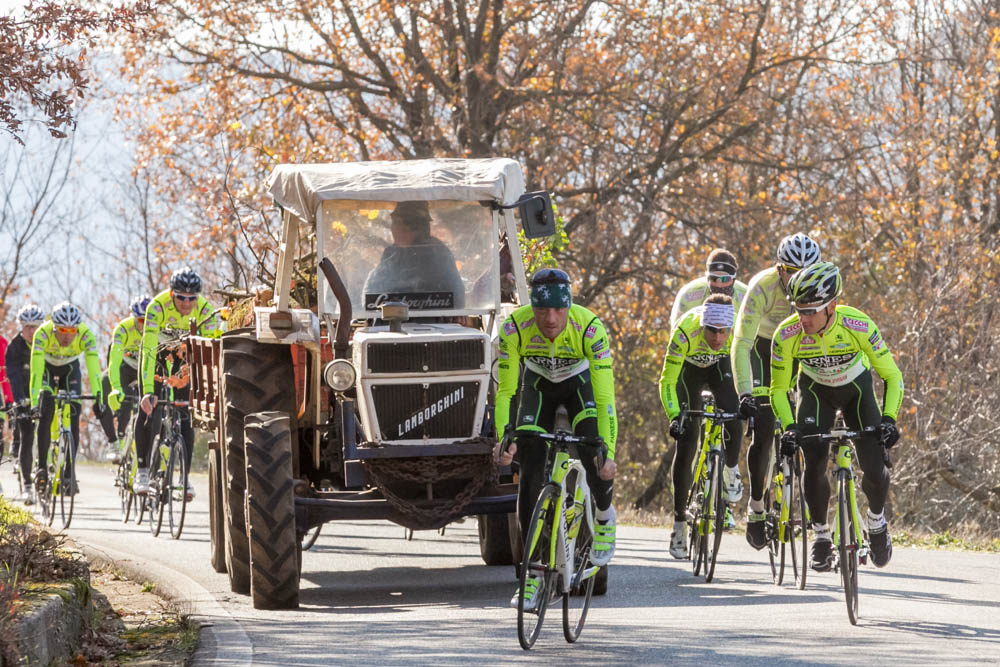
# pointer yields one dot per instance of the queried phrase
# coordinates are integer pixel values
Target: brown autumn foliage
(664, 129)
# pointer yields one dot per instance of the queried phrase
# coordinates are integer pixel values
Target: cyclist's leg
(47, 408)
(534, 414)
(689, 387)
(73, 382)
(814, 414)
(187, 430)
(26, 429)
(862, 411)
(145, 427)
(103, 411)
(720, 382)
(758, 454)
(128, 379)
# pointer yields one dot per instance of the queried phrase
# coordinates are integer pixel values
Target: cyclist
(719, 278)
(8, 397)
(122, 373)
(55, 365)
(698, 357)
(172, 309)
(18, 362)
(837, 346)
(765, 305)
(566, 357)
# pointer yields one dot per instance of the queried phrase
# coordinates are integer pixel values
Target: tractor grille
(416, 411)
(454, 355)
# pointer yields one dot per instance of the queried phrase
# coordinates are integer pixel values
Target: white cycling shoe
(531, 590)
(678, 541)
(141, 486)
(732, 484)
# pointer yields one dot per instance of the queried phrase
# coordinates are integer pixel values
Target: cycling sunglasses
(810, 310)
(186, 297)
(67, 330)
(717, 330)
(790, 270)
(724, 279)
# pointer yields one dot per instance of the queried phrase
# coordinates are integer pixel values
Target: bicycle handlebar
(837, 434)
(563, 439)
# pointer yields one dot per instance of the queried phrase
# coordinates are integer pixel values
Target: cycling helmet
(798, 250)
(139, 305)
(185, 280)
(820, 283)
(66, 315)
(30, 315)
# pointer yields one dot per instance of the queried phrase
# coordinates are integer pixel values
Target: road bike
(57, 490)
(560, 538)
(787, 522)
(168, 473)
(848, 534)
(126, 471)
(15, 413)
(706, 510)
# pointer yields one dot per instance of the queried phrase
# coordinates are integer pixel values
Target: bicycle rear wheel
(797, 529)
(310, 539)
(47, 501)
(177, 475)
(576, 602)
(66, 484)
(847, 545)
(535, 562)
(716, 518)
(775, 546)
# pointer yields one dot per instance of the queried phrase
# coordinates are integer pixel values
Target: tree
(43, 59)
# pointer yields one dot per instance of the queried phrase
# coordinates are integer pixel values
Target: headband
(718, 315)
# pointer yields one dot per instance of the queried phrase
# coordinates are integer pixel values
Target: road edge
(221, 638)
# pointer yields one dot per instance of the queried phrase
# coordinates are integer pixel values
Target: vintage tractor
(377, 403)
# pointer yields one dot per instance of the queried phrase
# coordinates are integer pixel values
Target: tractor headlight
(340, 374)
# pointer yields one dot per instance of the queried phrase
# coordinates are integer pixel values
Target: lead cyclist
(566, 358)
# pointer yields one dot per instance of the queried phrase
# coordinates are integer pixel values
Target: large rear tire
(255, 377)
(494, 539)
(270, 512)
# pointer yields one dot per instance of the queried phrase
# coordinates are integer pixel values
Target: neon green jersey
(582, 345)
(836, 357)
(687, 343)
(694, 294)
(162, 318)
(126, 342)
(763, 307)
(45, 349)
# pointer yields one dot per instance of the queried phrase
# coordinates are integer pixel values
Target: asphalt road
(369, 596)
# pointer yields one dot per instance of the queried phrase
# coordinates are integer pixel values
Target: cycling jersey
(687, 344)
(835, 358)
(46, 351)
(694, 294)
(763, 307)
(126, 341)
(582, 345)
(162, 318)
(8, 395)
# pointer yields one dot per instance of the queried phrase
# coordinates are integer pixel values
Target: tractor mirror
(537, 218)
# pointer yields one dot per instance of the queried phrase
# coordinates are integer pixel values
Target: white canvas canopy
(300, 188)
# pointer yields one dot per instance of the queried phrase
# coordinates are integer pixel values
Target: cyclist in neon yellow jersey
(765, 305)
(55, 365)
(719, 278)
(172, 309)
(837, 347)
(698, 358)
(566, 358)
(122, 373)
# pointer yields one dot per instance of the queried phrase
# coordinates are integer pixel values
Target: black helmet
(185, 280)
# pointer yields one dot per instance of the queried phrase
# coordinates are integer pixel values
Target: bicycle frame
(844, 473)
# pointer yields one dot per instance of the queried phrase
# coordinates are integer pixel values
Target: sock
(822, 531)
(732, 472)
(756, 505)
(606, 514)
(679, 526)
(875, 521)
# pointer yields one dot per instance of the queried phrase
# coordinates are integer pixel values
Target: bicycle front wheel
(576, 602)
(699, 506)
(535, 565)
(797, 528)
(177, 476)
(717, 515)
(158, 492)
(847, 545)
(775, 545)
(66, 483)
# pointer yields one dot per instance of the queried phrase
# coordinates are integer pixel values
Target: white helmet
(798, 250)
(30, 316)
(66, 315)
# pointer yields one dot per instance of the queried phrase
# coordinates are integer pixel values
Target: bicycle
(787, 522)
(706, 511)
(16, 413)
(848, 534)
(168, 474)
(125, 473)
(62, 454)
(560, 539)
